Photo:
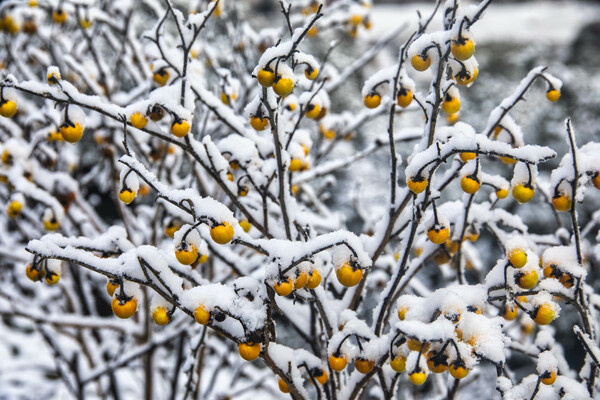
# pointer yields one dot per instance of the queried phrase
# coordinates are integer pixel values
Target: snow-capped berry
(283, 386)
(284, 287)
(283, 87)
(470, 184)
(8, 108)
(52, 278)
(295, 165)
(438, 235)
(465, 77)
(458, 370)
(259, 123)
(372, 100)
(523, 192)
(124, 308)
(548, 377)
(364, 365)
(249, 351)
(202, 315)
(186, 253)
(348, 275)
(265, 77)
(527, 280)
(160, 315)
(111, 286)
(14, 208)
(161, 77)
(420, 62)
(313, 111)
(418, 377)
(517, 257)
(562, 202)
(398, 364)
(311, 73)
(544, 314)
(180, 127)
(314, 280)
(127, 195)
(436, 362)
(301, 280)
(405, 97)
(450, 105)
(463, 48)
(416, 184)
(71, 132)
(59, 15)
(53, 75)
(222, 233)
(245, 224)
(338, 363)
(553, 95)
(138, 120)
(32, 273)
(320, 375)
(467, 156)
(510, 312)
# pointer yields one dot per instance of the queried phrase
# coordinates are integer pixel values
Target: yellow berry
(86, 23)
(402, 312)
(553, 95)
(510, 312)
(416, 184)
(202, 315)
(172, 227)
(450, 105)
(320, 375)
(265, 77)
(180, 128)
(295, 165)
(544, 314)
(349, 276)
(463, 49)
(364, 366)
(453, 118)
(313, 111)
(186, 253)
(127, 195)
(458, 370)
(508, 160)
(517, 258)
(527, 280)
(259, 123)
(338, 363)
(548, 377)
(32, 273)
(438, 235)
(59, 16)
(249, 351)
(596, 180)
(467, 156)
(283, 386)
(53, 77)
(398, 364)
(202, 258)
(466, 77)
(284, 287)
(314, 280)
(435, 363)
(161, 77)
(372, 100)
(502, 193)
(138, 120)
(311, 73)
(312, 32)
(415, 345)
(470, 184)
(160, 316)
(124, 309)
(71, 132)
(222, 233)
(51, 224)
(52, 278)
(8, 108)
(418, 377)
(246, 226)
(420, 62)
(562, 202)
(301, 280)
(14, 209)
(405, 97)
(111, 287)
(523, 192)
(283, 87)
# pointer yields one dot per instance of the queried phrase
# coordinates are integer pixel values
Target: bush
(212, 185)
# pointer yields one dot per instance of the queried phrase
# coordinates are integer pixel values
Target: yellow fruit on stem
(138, 120)
(349, 276)
(523, 192)
(172, 226)
(202, 315)
(311, 73)
(246, 226)
(416, 184)
(8, 108)
(398, 364)
(283, 87)
(436, 362)
(124, 308)
(265, 77)
(59, 16)
(372, 100)
(502, 193)
(418, 377)
(161, 77)
(548, 377)
(295, 165)
(450, 105)
(71, 132)
(249, 351)
(470, 184)
(402, 312)
(222, 233)
(463, 49)
(111, 286)
(544, 314)
(180, 128)
(52, 278)
(415, 345)
(160, 316)
(320, 375)
(527, 280)
(517, 257)
(32, 273)
(283, 386)
(458, 370)
(301, 280)
(420, 62)
(510, 312)
(405, 97)
(562, 202)
(313, 111)
(86, 23)
(314, 280)
(127, 195)
(51, 224)
(14, 208)
(467, 156)
(438, 235)
(553, 95)
(338, 363)
(363, 365)
(284, 287)
(259, 123)
(186, 253)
